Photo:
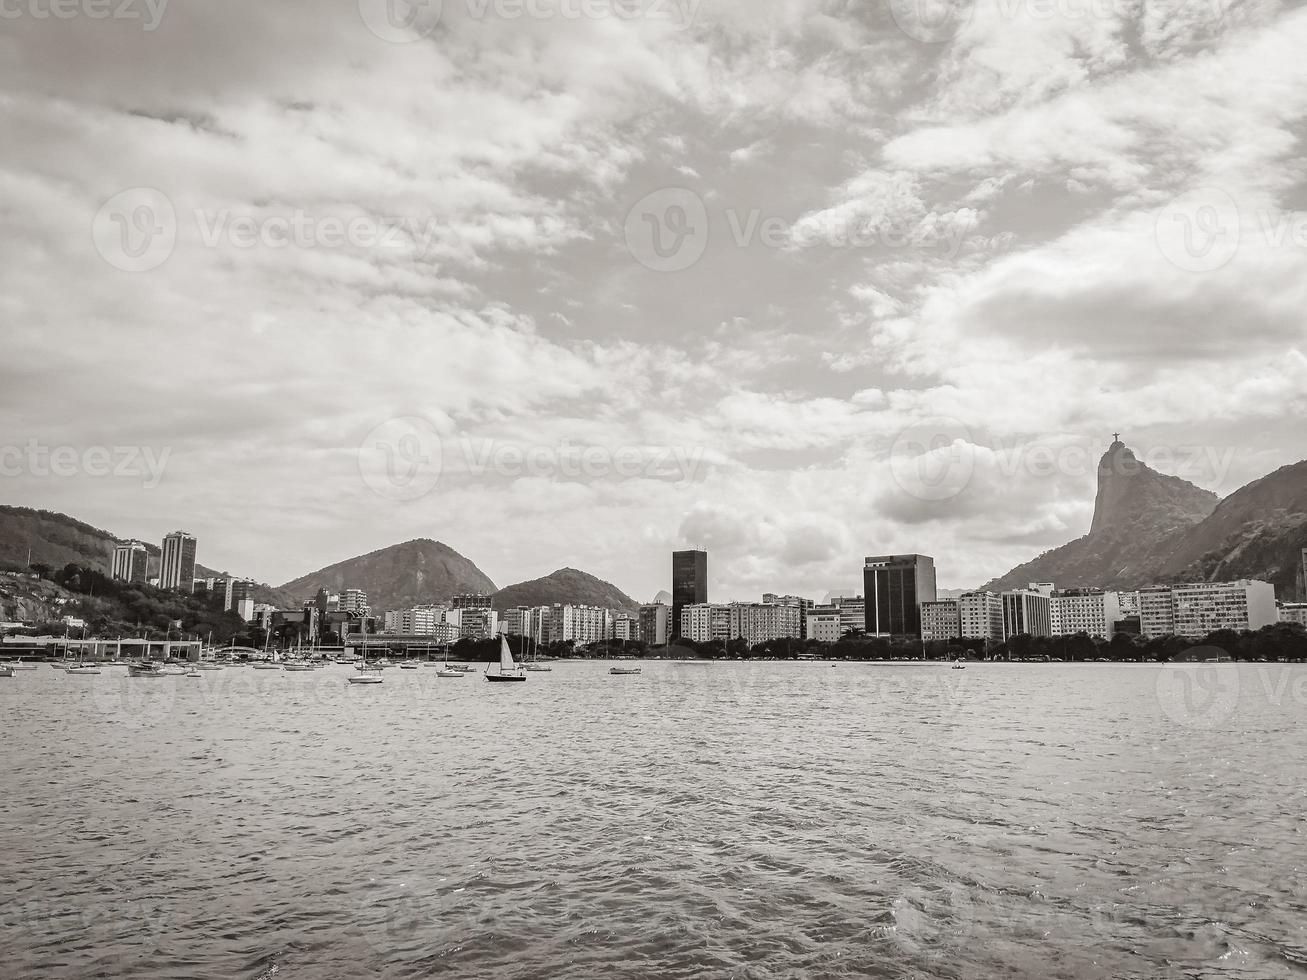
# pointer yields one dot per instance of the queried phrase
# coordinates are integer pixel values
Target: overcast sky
(578, 282)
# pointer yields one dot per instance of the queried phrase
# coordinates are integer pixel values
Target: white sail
(506, 665)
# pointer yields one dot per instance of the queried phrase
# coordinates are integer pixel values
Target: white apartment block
(823, 625)
(706, 622)
(1196, 609)
(759, 622)
(941, 619)
(580, 624)
(1026, 611)
(1088, 611)
(626, 627)
(981, 616)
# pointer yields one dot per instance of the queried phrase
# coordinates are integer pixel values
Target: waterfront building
(655, 623)
(706, 622)
(1091, 611)
(941, 620)
(1026, 611)
(759, 622)
(1205, 607)
(177, 564)
(130, 562)
(626, 627)
(824, 624)
(1156, 611)
(517, 620)
(1294, 612)
(355, 601)
(980, 615)
(853, 613)
(795, 614)
(689, 583)
(1129, 602)
(580, 624)
(895, 586)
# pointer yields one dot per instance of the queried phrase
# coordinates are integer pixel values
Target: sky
(579, 282)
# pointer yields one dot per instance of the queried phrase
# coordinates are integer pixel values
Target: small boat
(6, 670)
(208, 666)
(408, 665)
(623, 670)
(383, 663)
(266, 665)
(145, 669)
(82, 669)
(367, 674)
(21, 665)
(959, 665)
(448, 671)
(297, 666)
(508, 670)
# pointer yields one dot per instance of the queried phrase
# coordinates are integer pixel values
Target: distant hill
(1150, 528)
(663, 597)
(56, 540)
(567, 585)
(1257, 532)
(409, 574)
(1138, 514)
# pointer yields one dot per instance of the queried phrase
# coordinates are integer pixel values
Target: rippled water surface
(770, 820)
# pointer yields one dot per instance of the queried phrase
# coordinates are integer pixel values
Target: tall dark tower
(894, 587)
(689, 583)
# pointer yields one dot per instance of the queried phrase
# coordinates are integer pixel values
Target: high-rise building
(1294, 612)
(1026, 611)
(655, 623)
(470, 600)
(706, 622)
(941, 620)
(177, 566)
(355, 601)
(1205, 607)
(981, 616)
(689, 583)
(895, 586)
(759, 622)
(580, 624)
(823, 624)
(1091, 611)
(130, 561)
(1156, 606)
(626, 627)
(853, 613)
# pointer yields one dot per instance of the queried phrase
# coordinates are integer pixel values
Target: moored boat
(508, 669)
(145, 669)
(623, 670)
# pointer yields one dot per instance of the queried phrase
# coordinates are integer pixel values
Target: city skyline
(888, 259)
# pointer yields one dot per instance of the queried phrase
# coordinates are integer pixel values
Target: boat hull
(364, 680)
(504, 678)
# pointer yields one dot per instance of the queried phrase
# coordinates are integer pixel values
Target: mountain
(1139, 516)
(409, 574)
(567, 585)
(56, 540)
(663, 597)
(1257, 532)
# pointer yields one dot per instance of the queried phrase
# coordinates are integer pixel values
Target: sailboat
(534, 663)
(508, 670)
(81, 667)
(446, 670)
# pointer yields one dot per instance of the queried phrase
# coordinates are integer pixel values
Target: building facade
(824, 624)
(981, 615)
(760, 622)
(706, 622)
(177, 565)
(1026, 611)
(655, 623)
(894, 587)
(1193, 610)
(130, 562)
(1294, 612)
(1091, 611)
(941, 620)
(689, 583)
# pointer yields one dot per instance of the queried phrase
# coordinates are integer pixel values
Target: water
(771, 820)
